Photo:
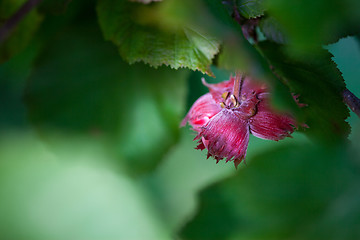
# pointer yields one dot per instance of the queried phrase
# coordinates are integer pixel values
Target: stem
(12, 22)
(352, 101)
(248, 26)
(239, 80)
(236, 15)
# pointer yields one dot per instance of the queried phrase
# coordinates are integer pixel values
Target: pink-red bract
(224, 122)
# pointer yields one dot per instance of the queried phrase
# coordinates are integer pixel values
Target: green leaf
(91, 91)
(319, 84)
(251, 8)
(296, 191)
(23, 32)
(136, 41)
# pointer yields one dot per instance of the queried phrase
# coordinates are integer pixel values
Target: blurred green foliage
(96, 93)
(90, 146)
(22, 34)
(71, 192)
(312, 23)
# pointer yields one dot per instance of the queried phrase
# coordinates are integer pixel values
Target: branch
(12, 22)
(352, 101)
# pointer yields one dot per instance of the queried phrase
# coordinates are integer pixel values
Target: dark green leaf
(137, 41)
(319, 84)
(297, 191)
